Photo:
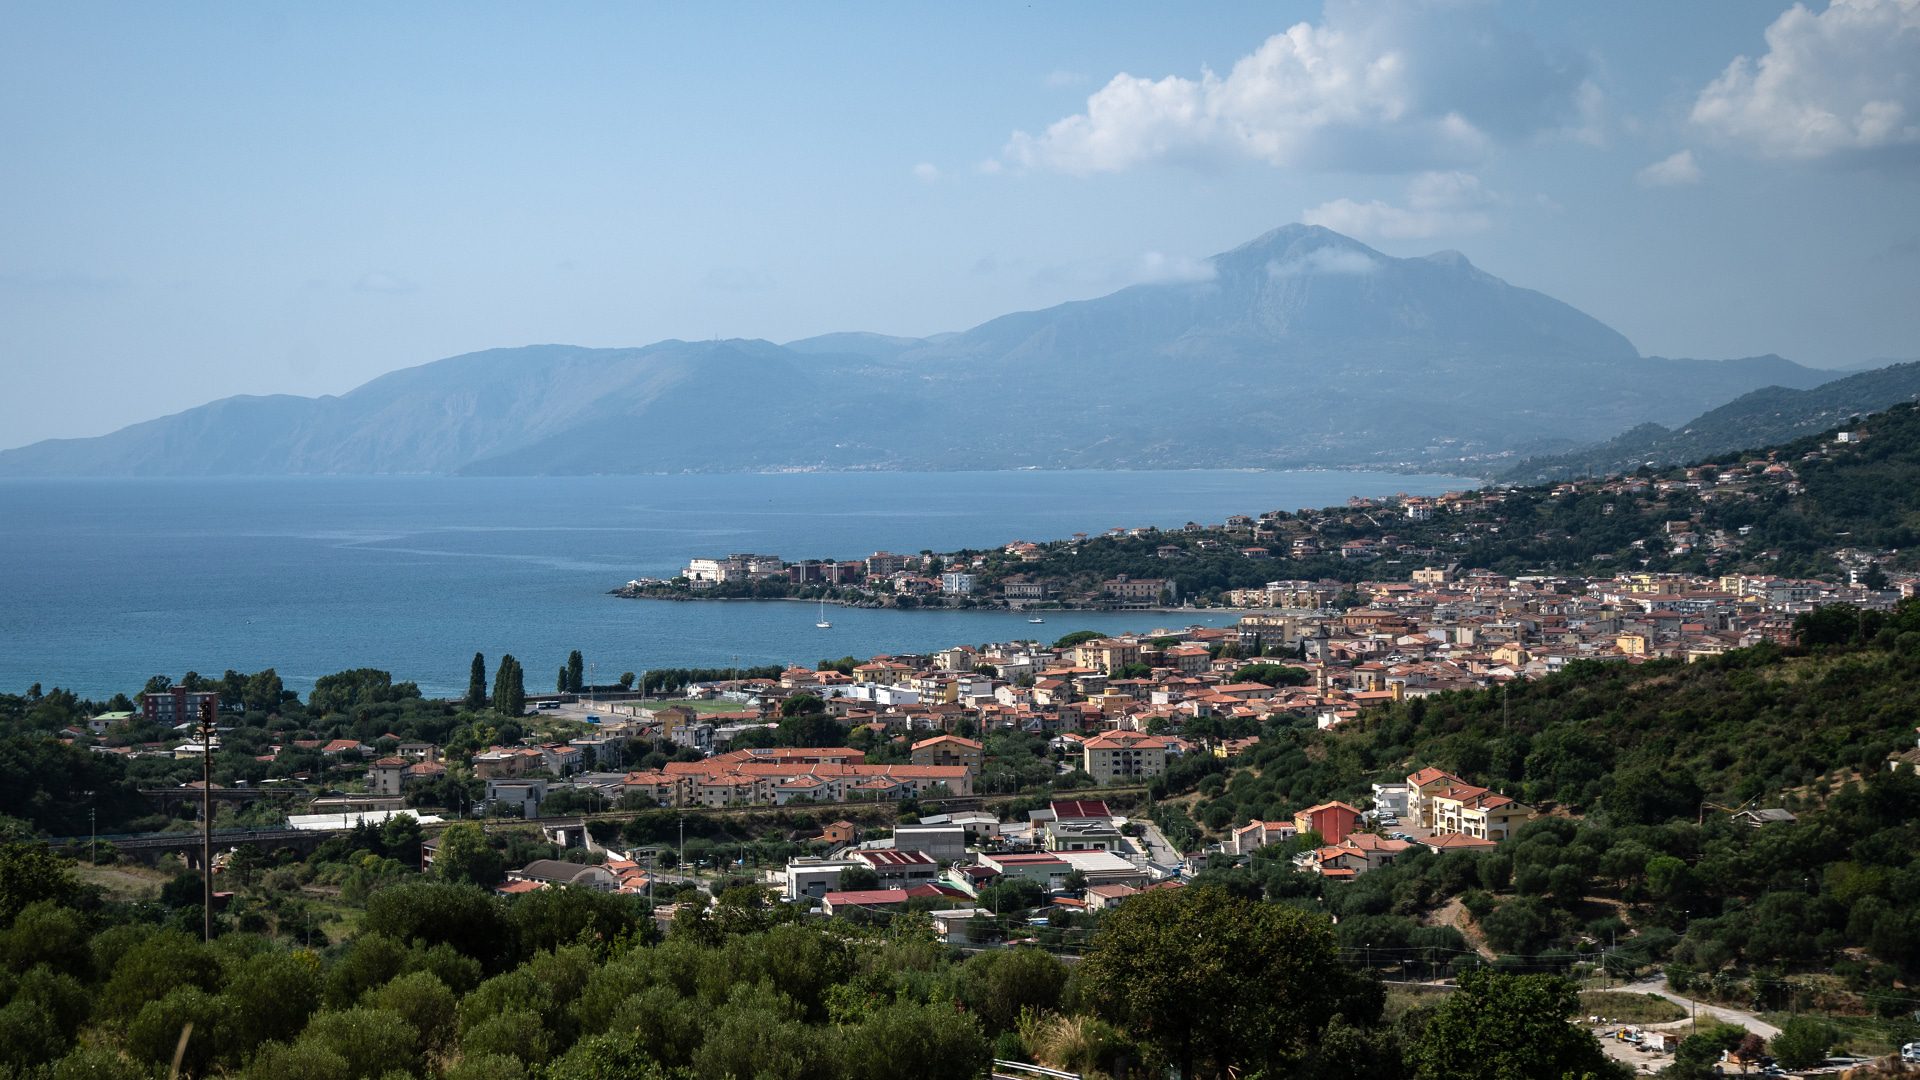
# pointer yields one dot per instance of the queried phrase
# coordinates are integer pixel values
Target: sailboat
(823, 623)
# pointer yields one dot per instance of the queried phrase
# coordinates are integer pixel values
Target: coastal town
(1707, 520)
(1118, 708)
(1308, 541)
(1113, 712)
(1457, 749)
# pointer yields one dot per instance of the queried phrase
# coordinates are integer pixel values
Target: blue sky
(214, 199)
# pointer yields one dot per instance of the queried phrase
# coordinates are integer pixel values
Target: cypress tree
(561, 686)
(477, 683)
(576, 669)
(509, 687)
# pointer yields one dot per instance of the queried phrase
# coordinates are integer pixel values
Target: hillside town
(1115, 710)
(1702, 519)
(1343, 746)
(1325, 664)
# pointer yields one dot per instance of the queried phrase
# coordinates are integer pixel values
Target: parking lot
(1640, 1058)
(574, 710)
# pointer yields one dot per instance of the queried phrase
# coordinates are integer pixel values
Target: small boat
(1036, 619)
(823, 623)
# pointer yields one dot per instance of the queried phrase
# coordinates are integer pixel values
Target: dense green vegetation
(1654, 869)
(443, 979)
(669, 680)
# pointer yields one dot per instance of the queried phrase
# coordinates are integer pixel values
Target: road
(1722, 1013)
(1160, 850)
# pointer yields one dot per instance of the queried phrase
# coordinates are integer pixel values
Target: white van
(1910, 1052)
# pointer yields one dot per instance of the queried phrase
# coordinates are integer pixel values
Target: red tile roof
(868, 897)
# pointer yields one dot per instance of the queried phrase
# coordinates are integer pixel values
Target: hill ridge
(1300, 347)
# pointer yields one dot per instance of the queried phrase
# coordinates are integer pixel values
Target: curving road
(1722, 1013)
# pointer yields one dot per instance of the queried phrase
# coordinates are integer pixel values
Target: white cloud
(1437, 204)
(1383, 221)
(1448, 191)
(1676, 171)
(1845, 81)
(1412, 86)
(1589, 124)
(1327, 260)
(926, 172)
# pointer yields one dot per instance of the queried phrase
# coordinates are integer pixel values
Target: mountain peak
(1296, 249)
(1295, 238)
(1421, 359)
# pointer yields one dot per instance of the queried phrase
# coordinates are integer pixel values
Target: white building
(947, 843)
(882, 694)
(811, 877)
(1390, 799)
(522, 796)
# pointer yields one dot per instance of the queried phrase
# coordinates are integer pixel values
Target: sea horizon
(115, 580)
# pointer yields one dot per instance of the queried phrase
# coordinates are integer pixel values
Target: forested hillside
(1636, 769)
(444, 980)
(1825, 495)
(1776, 414)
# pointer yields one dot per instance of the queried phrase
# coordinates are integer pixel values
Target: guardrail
(1021, 1068)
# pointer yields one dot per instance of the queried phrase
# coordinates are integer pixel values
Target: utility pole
(680, 859)
(207, 706)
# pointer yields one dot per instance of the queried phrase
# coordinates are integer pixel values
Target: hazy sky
(202, 200)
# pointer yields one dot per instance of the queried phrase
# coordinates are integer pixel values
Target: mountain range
(1764, 417)
(1302, 347)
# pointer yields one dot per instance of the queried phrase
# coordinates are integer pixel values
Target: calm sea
(105, 582)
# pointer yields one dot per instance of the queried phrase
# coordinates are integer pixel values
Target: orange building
(1332, 820)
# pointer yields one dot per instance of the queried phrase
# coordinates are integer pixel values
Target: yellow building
(950, 750)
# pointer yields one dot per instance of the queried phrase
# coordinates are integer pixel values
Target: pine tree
(477, 683)
(576, 669)
(509, 688)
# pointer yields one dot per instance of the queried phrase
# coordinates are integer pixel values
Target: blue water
(105, 582)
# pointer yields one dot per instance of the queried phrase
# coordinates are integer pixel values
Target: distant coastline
(1047, 608)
